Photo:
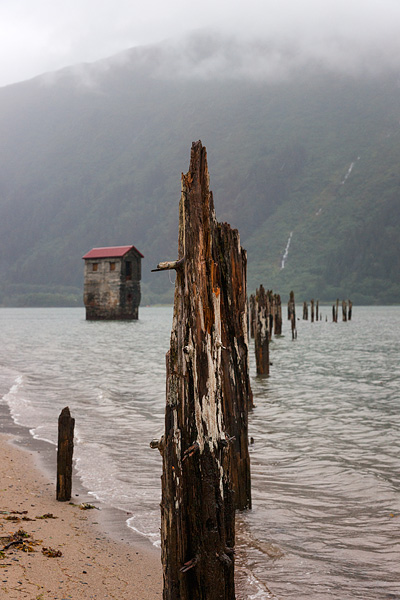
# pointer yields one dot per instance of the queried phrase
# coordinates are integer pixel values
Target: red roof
(111, 252)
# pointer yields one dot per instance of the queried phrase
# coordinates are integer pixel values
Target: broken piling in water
(261, 334)
(206, 467)
(292, 314)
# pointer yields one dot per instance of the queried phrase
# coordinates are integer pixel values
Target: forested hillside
(92, 156)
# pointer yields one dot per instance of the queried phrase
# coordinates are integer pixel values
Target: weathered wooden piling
(312, 310)
(261, 334)
(350, 310)
(252, 314)
(292, 314)
(344, 310)
(277, 315)
(204, 449)
(335, 311)
(65, 451)
(305, 311)
(270, 313)
(237, 397)
(317, 311)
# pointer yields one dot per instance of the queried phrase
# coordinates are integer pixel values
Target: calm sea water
(325, 522)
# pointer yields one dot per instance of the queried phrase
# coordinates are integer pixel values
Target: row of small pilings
(347, 308)
(265, 318)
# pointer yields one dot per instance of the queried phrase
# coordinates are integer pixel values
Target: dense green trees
(97, 161)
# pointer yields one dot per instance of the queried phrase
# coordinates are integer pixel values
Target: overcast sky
(45, 35)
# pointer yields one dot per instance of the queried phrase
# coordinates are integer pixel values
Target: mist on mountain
(297, 146)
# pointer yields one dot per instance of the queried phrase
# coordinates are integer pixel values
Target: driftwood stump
(65, 451)
(208, 395)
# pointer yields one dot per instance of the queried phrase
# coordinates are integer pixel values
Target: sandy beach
(59, 551)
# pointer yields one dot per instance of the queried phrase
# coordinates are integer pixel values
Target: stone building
(112, 283)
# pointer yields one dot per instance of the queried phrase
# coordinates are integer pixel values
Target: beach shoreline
(100, 556)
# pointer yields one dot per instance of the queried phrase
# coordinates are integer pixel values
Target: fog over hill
(303, 160)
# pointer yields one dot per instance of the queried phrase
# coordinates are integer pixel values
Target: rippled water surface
(325, 521)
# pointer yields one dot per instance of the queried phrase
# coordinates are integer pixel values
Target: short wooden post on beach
(65, 451)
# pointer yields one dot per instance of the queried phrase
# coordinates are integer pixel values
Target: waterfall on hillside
(285, 255)
(349, 171)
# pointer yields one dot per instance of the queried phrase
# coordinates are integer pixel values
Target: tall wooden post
(317, 311)
(261, 337)
(344, 310)
(305, 311)
(65, 451)
(278, 315)
(350, 309)
(292, 314)
(252, 311)
(237, 397)
(312, 310)
(270, 313)
(207, 357)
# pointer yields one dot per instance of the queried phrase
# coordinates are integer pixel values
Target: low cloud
(257, 39)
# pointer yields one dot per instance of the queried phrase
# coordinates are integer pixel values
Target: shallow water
(325, 459)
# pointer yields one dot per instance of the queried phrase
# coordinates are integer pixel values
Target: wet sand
(100, 557)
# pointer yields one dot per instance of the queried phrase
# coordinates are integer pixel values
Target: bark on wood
(208, 396)
(261, 336)
(252, 314)
(237, 396)
(65, 451)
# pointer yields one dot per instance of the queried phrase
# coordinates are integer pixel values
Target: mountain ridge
(92, 156)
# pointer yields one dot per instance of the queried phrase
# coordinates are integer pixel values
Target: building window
(128, 270)
(112, 266)
(95, 266)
